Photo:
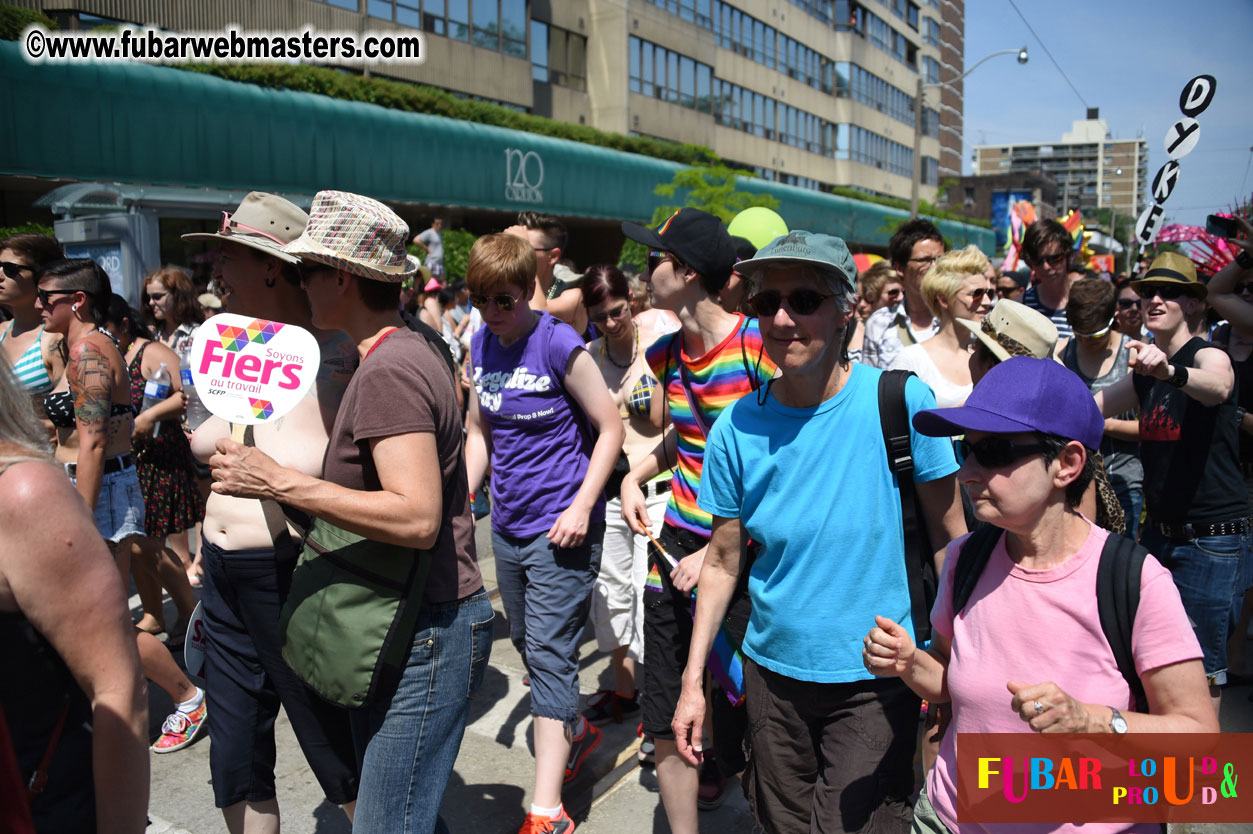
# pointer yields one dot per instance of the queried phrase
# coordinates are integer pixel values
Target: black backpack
(1118, 576)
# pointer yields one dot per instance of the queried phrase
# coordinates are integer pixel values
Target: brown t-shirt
(403, 387)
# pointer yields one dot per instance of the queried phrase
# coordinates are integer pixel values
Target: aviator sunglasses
(998, 452)
(504, 302)
(802, 302)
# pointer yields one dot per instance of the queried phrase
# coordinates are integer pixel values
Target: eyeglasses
(1168, 292)
(802, 302)
(543, 248)
(1054, 260)
(1098, 334)
(1127, 303)
(998, 452)
(601, 318)
(505, 302)
(928, 260)
(45, 296)
(12, 270)
(976, 295)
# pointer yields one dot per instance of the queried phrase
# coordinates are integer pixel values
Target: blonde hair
(19, 427)
(946, 276)
(499, 261)
(873, 279)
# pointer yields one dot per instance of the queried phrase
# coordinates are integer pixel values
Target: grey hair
(18, 424)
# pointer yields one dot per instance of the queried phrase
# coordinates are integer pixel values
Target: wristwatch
(1116, 722)
(1244, 259)
(1179, 377)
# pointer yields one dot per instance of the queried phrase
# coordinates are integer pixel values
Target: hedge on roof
(13, 20)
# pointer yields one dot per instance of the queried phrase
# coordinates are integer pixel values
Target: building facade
(1092, 169)
(815, 93)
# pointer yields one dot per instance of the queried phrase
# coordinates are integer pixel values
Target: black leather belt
(1187, 532)
(114, 464)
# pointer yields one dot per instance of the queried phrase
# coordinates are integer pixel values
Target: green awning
(137, 123)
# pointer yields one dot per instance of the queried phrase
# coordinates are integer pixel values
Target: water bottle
(156, 389)
(196, 412)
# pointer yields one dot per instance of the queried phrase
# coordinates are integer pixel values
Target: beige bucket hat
(265, 222)
(1013, 329)
(356, 234)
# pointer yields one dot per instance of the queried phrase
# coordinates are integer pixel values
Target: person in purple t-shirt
(542, 409)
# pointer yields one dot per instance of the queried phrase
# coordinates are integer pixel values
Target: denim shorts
(547, 594)
(1211, 573)
(120, 506)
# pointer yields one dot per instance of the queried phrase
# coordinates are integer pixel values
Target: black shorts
(667, 637)
(246, 679)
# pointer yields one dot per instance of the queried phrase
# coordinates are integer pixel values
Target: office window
(932, 35)
(459, 19)
(539, 53)
(433, 17)
(487, 24)
(513, 27)
(657, 71)
(704, 89)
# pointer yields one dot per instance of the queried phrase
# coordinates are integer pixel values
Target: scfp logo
(524, 175)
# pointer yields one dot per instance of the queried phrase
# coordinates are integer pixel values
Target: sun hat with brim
(1172, 268)
(265, 222)
(695, 237)
(1012, 329)
(825, 252)
(1022, 394)
(356, 234)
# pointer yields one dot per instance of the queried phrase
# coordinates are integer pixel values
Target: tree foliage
(13, 20)
(709, 187)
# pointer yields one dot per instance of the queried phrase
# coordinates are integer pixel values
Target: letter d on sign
(1209, 795)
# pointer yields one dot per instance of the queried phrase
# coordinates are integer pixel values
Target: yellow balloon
(757, 225)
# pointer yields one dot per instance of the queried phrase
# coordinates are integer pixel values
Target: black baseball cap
(693, 236)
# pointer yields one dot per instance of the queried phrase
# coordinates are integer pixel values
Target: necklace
(552, 291)
(635, 349)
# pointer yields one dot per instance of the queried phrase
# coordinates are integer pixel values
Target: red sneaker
(580, 748)
(539, 824)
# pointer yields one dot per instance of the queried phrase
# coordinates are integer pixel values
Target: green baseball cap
(825, 252)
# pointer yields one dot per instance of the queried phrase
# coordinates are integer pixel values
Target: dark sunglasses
(46, 295)
(998, 452)
(506, 303)
(655, 258)
(1127, 303)
(894, 293)
(802, 302)
(157, 296)
(1054, 260)
(12, 270)
(1168, 292)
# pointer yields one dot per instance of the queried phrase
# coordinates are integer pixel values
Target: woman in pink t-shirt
(1028, 647)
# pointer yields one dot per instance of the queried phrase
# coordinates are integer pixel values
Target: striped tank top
(29, 368)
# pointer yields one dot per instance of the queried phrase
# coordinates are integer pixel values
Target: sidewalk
(489, 789)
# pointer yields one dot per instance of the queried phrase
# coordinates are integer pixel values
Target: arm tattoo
(92, 385)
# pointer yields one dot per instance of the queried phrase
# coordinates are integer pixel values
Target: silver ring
(1039, 708)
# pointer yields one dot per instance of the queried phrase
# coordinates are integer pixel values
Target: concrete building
(815, 93)
(1092, 169)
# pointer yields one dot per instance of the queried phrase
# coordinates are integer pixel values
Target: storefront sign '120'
(524, 175)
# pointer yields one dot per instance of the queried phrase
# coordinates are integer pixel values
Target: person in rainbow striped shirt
(801, 468)
(712, 361)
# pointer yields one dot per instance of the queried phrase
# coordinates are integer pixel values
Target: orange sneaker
(540, 824)
(580, 748)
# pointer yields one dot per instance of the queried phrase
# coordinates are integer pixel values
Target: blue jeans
(407, 740)
(1211, 573)
(1132, 501)
(547, 594)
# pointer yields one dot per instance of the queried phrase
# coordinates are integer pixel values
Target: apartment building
(1091, 168)
(815, 93)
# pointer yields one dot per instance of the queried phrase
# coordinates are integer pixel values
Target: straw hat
(1013, 329)
(265, 222)
(358, 235)
(1173, 268)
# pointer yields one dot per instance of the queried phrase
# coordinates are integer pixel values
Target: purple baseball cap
(1022, 394)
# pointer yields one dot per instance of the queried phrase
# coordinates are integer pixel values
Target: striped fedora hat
(356, 234)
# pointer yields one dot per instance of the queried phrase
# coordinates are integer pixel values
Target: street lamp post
(917, 179)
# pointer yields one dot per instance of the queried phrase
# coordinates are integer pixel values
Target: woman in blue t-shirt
(542, 409)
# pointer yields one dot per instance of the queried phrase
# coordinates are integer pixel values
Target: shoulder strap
(686, 385)
(906, 332)
(894, 417)
(1118, 598)
(975, 553)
